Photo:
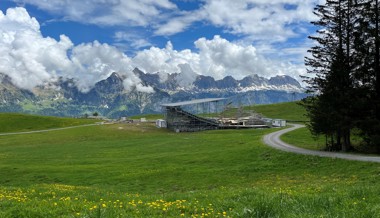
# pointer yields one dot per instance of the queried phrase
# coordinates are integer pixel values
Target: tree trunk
(346, 146)
(377, 60)
(332, 143)
(338, 145)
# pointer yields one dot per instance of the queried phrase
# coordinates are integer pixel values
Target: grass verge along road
(273, 140)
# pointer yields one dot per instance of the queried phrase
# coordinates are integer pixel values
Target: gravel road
(273, 140)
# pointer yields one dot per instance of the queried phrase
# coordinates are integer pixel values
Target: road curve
(273, 140)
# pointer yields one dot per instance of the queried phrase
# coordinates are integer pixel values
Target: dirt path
(273, 140)
(47, 130)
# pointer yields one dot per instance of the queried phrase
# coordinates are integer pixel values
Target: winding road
(273, 140)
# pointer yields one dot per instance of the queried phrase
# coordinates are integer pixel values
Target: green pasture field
(11, 122)
(148, 116)
(293, 112)
(290, 111)
(304, 139)
(137, 170)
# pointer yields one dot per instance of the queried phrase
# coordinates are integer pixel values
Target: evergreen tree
(375, 130)
(367, 42)
(330, 108)
(346, 65)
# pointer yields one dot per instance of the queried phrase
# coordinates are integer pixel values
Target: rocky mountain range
(109, 97)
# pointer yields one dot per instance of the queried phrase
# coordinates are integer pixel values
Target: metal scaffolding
(180, 120)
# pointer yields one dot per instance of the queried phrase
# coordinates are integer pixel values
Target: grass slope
(137, 170)
(148, 116)
(304, 139)
(10, 122)
(291, 111)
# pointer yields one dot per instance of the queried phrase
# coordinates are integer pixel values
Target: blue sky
(209, 37)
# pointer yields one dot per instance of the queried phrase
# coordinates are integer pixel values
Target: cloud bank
(248, 17)
(107, 12)
(31, 59)
(245, 17)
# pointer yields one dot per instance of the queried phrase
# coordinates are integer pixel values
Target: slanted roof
(196, 101)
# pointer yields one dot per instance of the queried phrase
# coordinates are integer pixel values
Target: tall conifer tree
(331, 65)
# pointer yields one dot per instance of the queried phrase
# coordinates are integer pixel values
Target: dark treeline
(345, 66)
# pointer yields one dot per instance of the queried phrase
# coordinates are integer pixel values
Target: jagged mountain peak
(114, 83)
(203, 82)
(281, 80)
(137, 71)
(115, 75)
(109, 97)
(5, 79)
(252, 76)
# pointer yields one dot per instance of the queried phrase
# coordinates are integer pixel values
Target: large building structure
(208, 114)
(180, 120)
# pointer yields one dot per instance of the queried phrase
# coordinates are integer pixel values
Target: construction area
(211, 114)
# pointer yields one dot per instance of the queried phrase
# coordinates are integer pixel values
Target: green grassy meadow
(137, 170)
(290, 111)
(10, 122)
(148, 116)
(304, 139)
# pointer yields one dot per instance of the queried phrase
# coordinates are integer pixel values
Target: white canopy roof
(196, 101)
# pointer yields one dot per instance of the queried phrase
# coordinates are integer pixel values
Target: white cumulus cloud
(220, 58)
(269, 21)
(25, 56)
(261, 22)
(258, 19)
(165, 60)
(275, 20)
(106, 12)
(30, 59)
(215, 57)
